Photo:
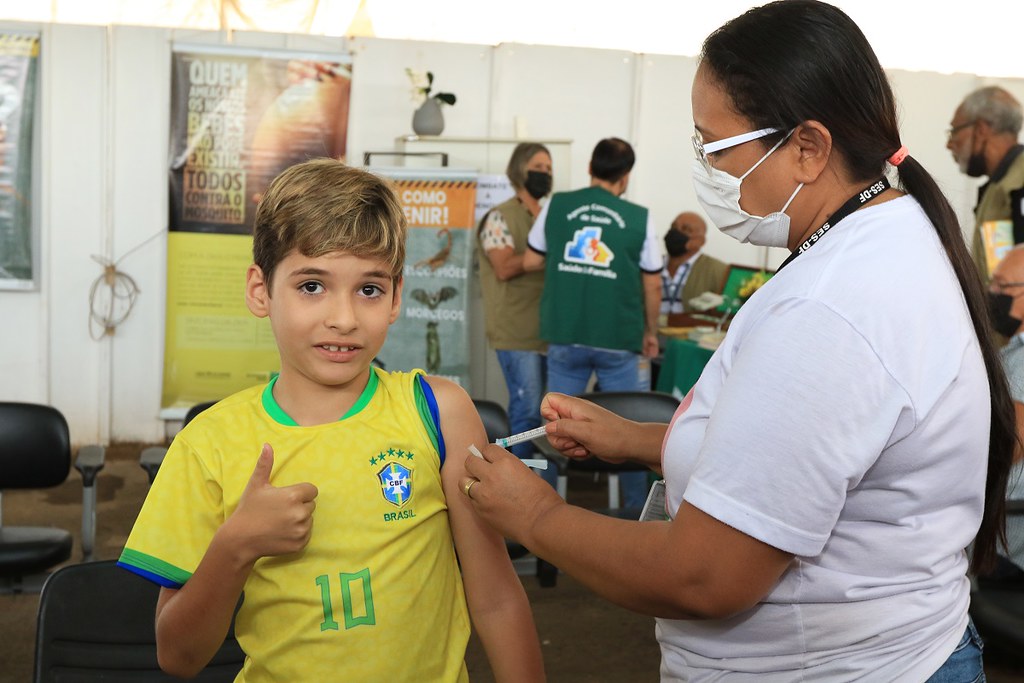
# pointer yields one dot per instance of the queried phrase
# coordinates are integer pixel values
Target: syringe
(521, 437)
(535, 463)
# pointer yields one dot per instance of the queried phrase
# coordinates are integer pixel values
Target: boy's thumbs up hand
(271, 520)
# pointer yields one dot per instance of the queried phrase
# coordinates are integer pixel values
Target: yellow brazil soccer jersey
(376, 594)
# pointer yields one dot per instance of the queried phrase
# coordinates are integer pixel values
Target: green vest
(511, 307)
(707, 275)
(995, 206)
(593, 288)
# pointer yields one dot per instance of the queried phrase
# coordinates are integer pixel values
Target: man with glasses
(1006, 292)
(983, 140)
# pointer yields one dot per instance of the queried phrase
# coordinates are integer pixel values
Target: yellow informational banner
(238, 118)
(214, 346)
(997, 236)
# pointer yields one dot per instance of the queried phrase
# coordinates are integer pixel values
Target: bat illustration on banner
(433, 299)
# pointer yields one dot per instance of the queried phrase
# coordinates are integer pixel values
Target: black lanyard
(852, 204)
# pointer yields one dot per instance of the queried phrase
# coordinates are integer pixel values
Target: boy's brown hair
(323, 205)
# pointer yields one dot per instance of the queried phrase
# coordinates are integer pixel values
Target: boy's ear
(257, 292)
(396, 301)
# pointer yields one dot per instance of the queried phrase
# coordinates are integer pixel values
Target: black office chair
(494, 417)
(96, 624)
(152, 457)
(639, 406)
(997, 605)
(35, 453)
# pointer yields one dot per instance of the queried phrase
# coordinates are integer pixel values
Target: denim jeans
(524, 376)
(964, 665)
(569, 371)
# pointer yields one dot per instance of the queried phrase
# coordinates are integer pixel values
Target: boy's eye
(311, 287)
(372, 290)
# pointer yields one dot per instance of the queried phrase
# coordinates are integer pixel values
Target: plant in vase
(427, 119)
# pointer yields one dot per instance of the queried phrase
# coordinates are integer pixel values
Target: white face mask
(719, 195)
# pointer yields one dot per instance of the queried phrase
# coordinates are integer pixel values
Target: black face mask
(976, 166)
(538, 184)
(675, 242)
(999, 307)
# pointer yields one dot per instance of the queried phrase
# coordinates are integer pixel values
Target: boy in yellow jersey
(326, 497)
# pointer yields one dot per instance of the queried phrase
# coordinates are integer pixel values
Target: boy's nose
(341, 317)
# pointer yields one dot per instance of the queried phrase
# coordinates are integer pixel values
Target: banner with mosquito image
(432, 331)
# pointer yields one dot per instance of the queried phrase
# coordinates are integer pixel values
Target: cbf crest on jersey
(396, 483)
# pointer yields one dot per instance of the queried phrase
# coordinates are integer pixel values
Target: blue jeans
(524, 376)
(569, 371)
(964, 665)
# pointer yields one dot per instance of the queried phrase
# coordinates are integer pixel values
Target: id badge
(654, 509)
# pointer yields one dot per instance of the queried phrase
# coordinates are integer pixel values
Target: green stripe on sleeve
(153, 565)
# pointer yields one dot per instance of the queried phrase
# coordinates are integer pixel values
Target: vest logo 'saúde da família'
(395, 483)
(587, 248)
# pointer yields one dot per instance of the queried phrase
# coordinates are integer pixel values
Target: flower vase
(428, 119)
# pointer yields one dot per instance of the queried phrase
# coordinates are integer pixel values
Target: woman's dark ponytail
(917, 182)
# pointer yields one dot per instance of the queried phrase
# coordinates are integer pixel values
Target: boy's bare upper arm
(461, 426)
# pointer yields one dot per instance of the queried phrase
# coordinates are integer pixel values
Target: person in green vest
(982, 137)
(602, 286)
(511, 295)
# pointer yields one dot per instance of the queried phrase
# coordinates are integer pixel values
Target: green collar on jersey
(281, 417)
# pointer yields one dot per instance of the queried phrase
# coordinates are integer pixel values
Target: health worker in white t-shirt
(852, 435)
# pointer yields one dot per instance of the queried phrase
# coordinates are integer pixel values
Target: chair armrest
(150, 460)
(89, 461)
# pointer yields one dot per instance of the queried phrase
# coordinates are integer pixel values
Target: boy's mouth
(329, 347)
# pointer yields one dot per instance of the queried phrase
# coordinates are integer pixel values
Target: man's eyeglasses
(1006, 285)
(702, 150)
(954, 129)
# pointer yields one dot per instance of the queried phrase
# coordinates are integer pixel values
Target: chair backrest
(35, 446)
(195, 410)
(639, 406)
(494, 417)
(96, 624)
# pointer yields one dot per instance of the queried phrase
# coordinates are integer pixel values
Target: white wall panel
(582, 95)
(75, 190)
(382, 107)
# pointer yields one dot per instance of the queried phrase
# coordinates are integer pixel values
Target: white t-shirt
(844, 419)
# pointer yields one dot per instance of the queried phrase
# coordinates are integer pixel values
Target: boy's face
(330, 315)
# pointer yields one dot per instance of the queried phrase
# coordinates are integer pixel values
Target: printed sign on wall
(19, 60)
(432, 331)
(238, 118)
